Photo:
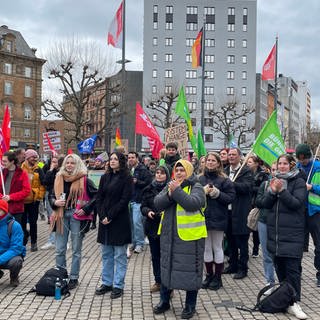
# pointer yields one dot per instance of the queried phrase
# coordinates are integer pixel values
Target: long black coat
(242, 203)
(216, 212)
(285, 219)
(114, 193)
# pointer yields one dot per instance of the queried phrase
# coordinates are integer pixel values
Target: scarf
(288, 175)
(76, 192)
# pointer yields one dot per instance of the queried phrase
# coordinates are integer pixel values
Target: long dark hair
(123, 167)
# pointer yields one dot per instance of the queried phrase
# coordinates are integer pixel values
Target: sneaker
(73, 283)
(129, 252)
(34, 247)
(116, 293)
(14, 282)
(255, 255)
(155, 287)
(296, 311)
(1, 274)
(138, 249)
(146, 241)
(47, 246)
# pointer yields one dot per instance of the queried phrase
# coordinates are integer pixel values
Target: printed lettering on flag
(268, 69)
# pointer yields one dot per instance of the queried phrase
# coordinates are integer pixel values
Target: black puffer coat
(285, 220)
(242, 203)
(217, 209)
(181, 261)
(114, 193)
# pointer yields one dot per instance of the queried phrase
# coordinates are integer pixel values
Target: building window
(28, 72)
(168, 57)
(244, 75)
(154, 73)
(169, 25)
(209, 10)
(7, 68)
(209, 74)
(168, 42)
(155, 17)
(230, 75)
(9, 46)
(189, 42)
(155, 9)
(208, 106)
(28, 91)
(208, 138)
(27, 112)
(155, 41)
(243, 138)
(168, 89)
(192, 10)
(210, 42)
(154, 89)
(193, 122)
(244, 59)
(188, 58)
(230, 90)
(169, 9)
(244, 43)
(191, 90)
(243, 91)
(155, 25)
(8, 88)
(208, 122)
(192, 106)
(231, 27)
(244, 107)
(230, 43)
(231, 59)
(231, 11)
(209, 58)
(168, 73)
(209, 26)
(192, 26)
(245, 11)
(27, 132)
(191, 74)
(209, 90)
(243, 122)
(154, 57)
(245, 29)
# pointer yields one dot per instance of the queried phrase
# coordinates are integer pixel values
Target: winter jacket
(216, 212)
(258, 177)
(13, 246)
(114, 193)
(286, 219)
(241, 205)
(181, 261)
(258, 202)
(19, 190)
(144, 178)
(170, 161)
(36, 178)
(49, 177)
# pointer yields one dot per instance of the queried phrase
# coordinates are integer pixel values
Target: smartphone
(62, 196)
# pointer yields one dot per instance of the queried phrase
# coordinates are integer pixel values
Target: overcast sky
(296, 23)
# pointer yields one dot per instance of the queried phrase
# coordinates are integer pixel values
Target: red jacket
(19, 190)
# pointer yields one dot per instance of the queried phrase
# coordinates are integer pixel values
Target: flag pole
(123, 62)
(203, 46)
(243, 164)
(276, 78)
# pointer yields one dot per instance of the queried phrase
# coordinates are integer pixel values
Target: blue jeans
(72, 226)
(114, 265)
(137, 225)
(267, 260)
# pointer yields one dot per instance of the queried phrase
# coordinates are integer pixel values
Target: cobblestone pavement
(137, 302)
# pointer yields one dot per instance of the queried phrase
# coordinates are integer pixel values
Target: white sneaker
(129, 252)
(146, 241)
(296, 311)
(138, 249)
(47, 246)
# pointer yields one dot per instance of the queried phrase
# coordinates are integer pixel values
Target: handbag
(252, 219)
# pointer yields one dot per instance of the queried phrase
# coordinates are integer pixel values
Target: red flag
(5, 132)
(70, 151)
(54, 152)
(269, 67)
(145, 127)
(116, 27)
(196, 51)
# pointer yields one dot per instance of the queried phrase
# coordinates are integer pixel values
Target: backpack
(10, 224)
(47, 283)
(282, 296)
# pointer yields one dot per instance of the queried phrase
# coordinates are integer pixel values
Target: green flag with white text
(269, 144)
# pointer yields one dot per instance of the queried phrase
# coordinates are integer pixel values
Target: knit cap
(31, 153)
(186, 165)
(303, 149)
(165, 169)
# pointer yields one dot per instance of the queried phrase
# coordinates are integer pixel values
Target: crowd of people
(193, 214)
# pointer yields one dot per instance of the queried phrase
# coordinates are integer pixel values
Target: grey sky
(296, 23)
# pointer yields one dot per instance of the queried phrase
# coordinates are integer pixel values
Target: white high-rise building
(170, 28)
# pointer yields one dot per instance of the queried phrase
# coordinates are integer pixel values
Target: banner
(87, 145)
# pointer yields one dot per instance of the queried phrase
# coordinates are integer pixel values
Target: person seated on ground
(12, 249)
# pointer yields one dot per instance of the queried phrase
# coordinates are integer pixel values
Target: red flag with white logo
(116, 29)
(51, 147)
(269, 67)
(5, 131)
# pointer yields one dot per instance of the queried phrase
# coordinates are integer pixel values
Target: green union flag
(269, 144)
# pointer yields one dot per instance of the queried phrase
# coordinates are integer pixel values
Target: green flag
(201, 148)
(269, 144)
(182, 110)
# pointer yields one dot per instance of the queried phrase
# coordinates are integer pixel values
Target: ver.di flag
(182, 110)
(86, 146)
(269, 67)
(115, 32)
(196, 51)
(269, 144)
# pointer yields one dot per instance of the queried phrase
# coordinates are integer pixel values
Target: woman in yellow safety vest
(182, 235)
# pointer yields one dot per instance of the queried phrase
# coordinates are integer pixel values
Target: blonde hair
(79, 165)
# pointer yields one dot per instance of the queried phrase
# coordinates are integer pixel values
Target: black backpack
(47, 283)
(282, 296)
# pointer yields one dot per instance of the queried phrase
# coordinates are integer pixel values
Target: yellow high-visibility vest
(190, 225)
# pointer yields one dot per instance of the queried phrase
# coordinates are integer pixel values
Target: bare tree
(79, 69)
(231, 119)
(313, 134)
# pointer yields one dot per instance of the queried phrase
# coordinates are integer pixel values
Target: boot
(215, 284)
(207, 281)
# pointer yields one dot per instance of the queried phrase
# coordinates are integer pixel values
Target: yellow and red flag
(118, 138)
(196, 51)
